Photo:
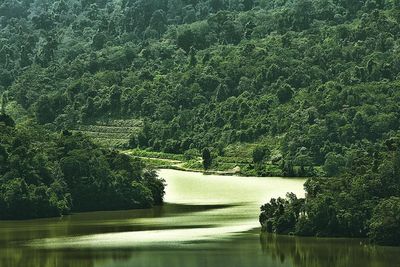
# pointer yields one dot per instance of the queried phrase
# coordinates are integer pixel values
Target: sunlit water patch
(239, 198)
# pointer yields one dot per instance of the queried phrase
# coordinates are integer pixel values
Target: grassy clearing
(236, 159)
(154, 155)
(158, 163)
(221, 164)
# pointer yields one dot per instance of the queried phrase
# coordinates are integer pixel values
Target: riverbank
(161, 160)
(222, 165)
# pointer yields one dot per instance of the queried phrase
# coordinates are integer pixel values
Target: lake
(207, 220)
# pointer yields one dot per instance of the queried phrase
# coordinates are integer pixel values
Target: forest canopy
(318, 76)
(362, 202)
(45, 175)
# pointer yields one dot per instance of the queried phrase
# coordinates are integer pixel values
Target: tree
(303, 14)
(3, 103)
(216, 5)
(280, 215)
(285, 93)
(260, 153)
(99, 40)
(16, 197)
(7, 120)
(158, 21)
(155, 184)
(3, 159)
(44, 110)
(303, 159)
(142, 194)
(334, 164)
(247, 4)
(207, 158)
(185, 39)
(385, 222)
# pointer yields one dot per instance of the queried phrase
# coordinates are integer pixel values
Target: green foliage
(44, 174)
(285, 93)
(3, 103)
(154, 155)
(208, 73)
(191, 154)
(155, 185)
(207, 158)
(362, 201)
(334, 163)
(260, 153)
(6, 120)
(385, 222)
(280, 215)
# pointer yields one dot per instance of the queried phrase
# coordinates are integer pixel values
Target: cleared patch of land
(110, 133)
(231, 163)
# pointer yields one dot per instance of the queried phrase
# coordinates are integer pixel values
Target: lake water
(208, 220)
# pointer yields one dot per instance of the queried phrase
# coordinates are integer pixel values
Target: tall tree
(207, 158)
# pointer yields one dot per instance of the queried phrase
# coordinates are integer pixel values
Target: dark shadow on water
(249, 249)
(326, 252)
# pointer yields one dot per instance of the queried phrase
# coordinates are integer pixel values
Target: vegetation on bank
(230, 163)
(361, 202)
(43, 174)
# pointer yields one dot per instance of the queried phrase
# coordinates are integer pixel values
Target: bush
(334, 164)
(385, 222)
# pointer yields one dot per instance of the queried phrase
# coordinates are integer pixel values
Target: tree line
(43, 174)
(361, 202)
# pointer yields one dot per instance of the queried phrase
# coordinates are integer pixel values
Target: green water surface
(207, 220)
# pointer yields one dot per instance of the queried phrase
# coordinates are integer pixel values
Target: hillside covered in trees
(317, 77)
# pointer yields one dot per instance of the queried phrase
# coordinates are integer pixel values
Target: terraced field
(110, 133)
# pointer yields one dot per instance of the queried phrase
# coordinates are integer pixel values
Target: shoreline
(179, 164)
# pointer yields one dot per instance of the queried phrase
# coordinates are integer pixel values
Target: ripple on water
(231, 206)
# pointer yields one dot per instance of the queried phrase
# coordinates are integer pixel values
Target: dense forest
(364, 201)
(44, 174)
(318, 77)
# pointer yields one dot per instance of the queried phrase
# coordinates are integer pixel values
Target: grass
(157, 163)
(223, 164)
(116, 134)
(155, 155)
(193, 165)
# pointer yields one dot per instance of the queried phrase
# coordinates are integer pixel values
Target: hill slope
(321, 75)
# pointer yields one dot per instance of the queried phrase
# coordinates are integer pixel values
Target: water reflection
(317, 252)
(207, 221)
(250, 249)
